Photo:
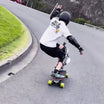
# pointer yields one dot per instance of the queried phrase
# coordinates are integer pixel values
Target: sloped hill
(92, 10)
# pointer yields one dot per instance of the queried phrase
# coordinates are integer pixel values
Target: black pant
(54, 52)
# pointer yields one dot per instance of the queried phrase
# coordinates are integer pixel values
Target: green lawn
(13, 34)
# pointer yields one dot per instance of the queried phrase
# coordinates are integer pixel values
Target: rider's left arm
(55, 13)
(74, 42)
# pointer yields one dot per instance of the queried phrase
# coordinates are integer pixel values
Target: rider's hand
(59, 7)
(81, 50)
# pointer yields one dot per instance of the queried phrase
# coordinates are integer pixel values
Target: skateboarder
(56, 29)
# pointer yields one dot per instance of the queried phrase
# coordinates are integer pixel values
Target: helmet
(65, 16)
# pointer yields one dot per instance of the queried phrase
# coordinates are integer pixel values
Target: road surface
(85, 84)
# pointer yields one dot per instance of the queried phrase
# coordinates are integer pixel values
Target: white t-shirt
(55, 30)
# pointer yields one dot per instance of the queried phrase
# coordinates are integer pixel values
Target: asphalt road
(85, 84)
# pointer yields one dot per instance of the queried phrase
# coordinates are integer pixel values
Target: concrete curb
(14, 57)
(96, 27)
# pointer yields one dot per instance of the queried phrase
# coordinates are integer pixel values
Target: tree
(38, 4)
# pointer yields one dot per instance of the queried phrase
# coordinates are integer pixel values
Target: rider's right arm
(55, 13)
(70, 38)
(73, 41)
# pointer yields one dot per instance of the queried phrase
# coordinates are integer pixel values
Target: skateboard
(59, 81)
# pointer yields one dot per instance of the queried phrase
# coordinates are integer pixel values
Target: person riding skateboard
(57, 28)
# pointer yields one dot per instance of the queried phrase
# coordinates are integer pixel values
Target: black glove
(59, 7)
(81, 50)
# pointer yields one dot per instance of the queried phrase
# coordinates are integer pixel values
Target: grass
(13, 34)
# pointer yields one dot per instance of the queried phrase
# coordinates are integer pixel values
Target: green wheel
(66, 75)
(62, 85)
(50, 82)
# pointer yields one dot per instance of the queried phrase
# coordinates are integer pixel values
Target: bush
(102, 27)
(81, 21)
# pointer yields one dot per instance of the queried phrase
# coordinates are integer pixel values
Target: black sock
(55, 71)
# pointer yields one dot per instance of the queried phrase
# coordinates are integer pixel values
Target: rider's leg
(59, 65)
(60, 62)
(55, 52)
